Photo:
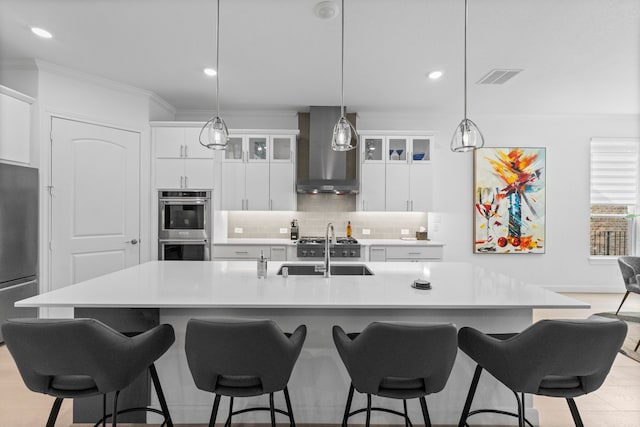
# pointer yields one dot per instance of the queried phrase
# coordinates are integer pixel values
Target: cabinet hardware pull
(181, 151)
(186, 182)
(181, 180)
(414, 253)
(242, 252)
(270, 204)
(412, 206)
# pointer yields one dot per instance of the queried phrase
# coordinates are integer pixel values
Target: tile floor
(615, 404)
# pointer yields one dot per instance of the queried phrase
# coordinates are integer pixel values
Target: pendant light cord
(342, 65)
(466, 19)
(218, 59)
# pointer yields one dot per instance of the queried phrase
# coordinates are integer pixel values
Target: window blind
(614, 171)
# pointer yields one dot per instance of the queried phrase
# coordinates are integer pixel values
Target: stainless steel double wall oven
(184, 225)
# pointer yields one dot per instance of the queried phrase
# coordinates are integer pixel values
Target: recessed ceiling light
(325, 10)
(435, 75)
(41, 32)
(210, 72)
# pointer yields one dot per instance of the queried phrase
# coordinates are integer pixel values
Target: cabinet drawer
(413, 253)
(278, 253)
(377, 254)
(240, 251)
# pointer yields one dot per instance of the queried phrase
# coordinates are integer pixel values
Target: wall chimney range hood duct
(320, 169)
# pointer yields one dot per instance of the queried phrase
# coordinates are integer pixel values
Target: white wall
(69, 94)
(565, 265)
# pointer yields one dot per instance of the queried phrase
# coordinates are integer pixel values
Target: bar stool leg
(114, 416)
(348, 408)
(368, 423)
(406, 415)
(521, 416)
(273, 414)
(574, 412)
(425, 412)
(472, 392)
(228, 423)
(163, 402)
(214, 411)
(55, 410)
(292, 422)
(104, 409)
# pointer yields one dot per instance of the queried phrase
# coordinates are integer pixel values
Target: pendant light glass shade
(215, 132)
(345, 136)
(467, 137)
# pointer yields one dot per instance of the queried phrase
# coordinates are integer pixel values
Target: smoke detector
(326, 10)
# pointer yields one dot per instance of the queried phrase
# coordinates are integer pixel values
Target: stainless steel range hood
(320, 169)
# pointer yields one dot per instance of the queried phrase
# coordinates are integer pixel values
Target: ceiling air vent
(498, 77)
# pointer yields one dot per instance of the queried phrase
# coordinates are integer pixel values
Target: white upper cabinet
(181, 162)
(15, 126)
(258, 172)
(395, 172)
(179, 143)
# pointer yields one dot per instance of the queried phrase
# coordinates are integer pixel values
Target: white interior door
(95, 206)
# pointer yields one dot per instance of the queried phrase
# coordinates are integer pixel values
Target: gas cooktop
(320, 241)
(313, 247)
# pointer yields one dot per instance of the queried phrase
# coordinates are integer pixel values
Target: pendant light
(467, 135)
(345, 136)
(215, 132)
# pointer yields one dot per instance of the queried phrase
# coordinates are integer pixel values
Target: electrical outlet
(366, 231)
(404, 231)
(284, 230)
(238, 230)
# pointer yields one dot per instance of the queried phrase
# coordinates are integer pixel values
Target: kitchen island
(463, 294)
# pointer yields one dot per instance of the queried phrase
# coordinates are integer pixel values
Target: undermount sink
(336, 270)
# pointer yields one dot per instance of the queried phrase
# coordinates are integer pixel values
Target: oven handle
(183, 241)
(183, 201)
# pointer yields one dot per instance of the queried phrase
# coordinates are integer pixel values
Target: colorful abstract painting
(509, 200)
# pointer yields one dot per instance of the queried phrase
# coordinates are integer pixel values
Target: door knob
(132, 241)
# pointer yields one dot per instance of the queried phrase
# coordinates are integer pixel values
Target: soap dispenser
(262, 266)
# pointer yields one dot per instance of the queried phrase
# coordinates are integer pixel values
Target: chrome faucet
(328, 240)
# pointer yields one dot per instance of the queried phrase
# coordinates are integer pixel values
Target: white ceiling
(578, 56)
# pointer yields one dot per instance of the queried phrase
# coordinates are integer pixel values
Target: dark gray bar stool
(242, 358)
(629, 268)
(557, 358)
(69, 358)
(398, 361)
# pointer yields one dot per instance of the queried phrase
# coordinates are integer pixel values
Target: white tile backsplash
(382, 225)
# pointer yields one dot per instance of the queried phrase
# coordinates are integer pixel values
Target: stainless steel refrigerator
(18, 239)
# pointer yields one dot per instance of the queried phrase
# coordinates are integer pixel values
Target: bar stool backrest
(399, 350)
(563, 348)
(46, 348)
(241, 347)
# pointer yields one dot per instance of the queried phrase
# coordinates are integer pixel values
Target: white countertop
(364, 242)
(183, 284)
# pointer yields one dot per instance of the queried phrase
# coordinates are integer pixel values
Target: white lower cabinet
(405, 253)
(249, 252)
(184, 173)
